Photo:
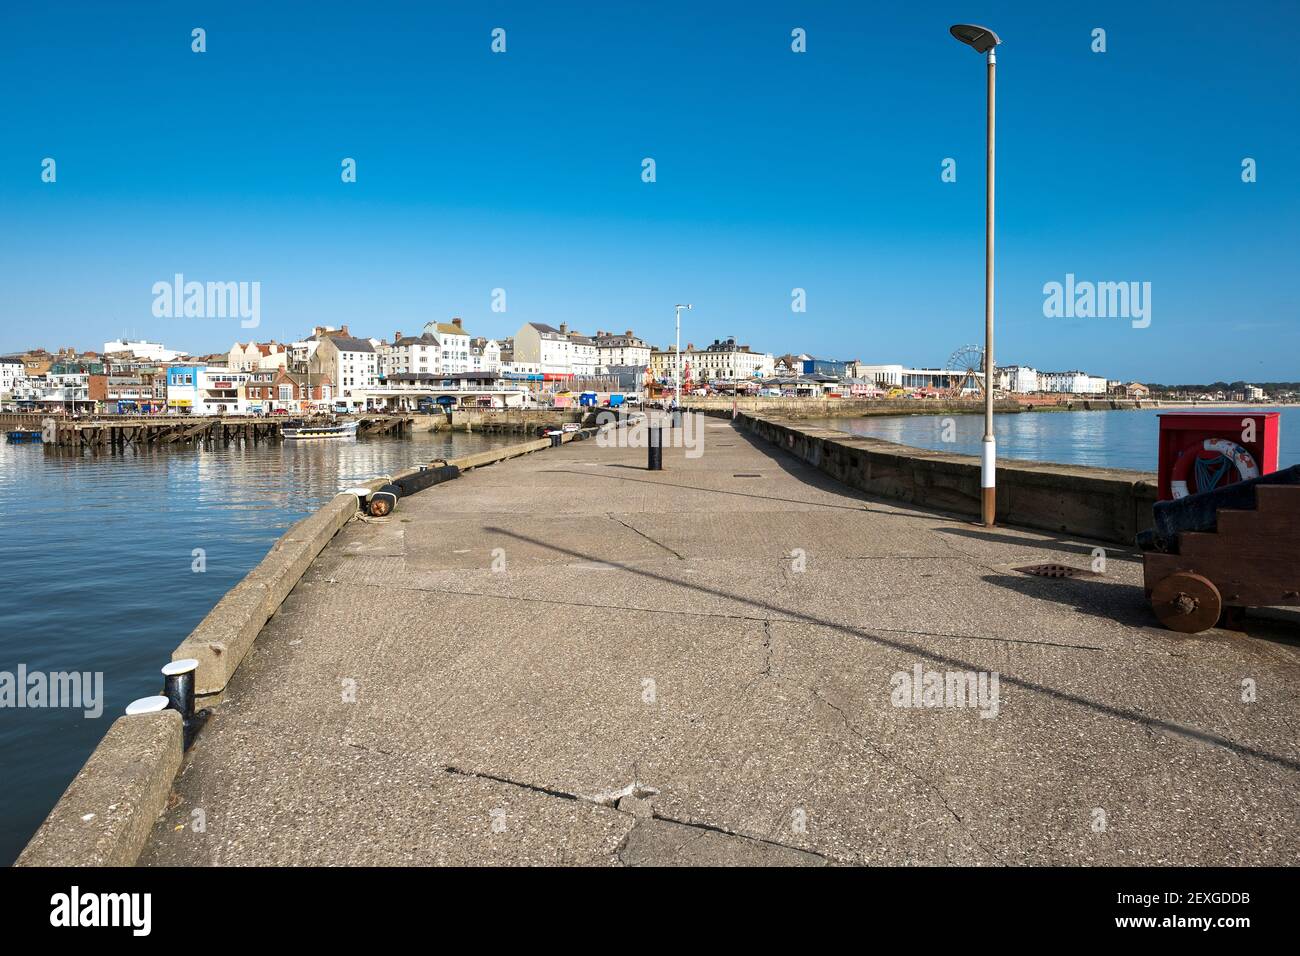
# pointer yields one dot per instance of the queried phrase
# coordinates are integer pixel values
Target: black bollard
(677, 418)
(178, 689)
(656, 449)
(178, 686)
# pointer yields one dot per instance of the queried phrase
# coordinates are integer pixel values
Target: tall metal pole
(988, 458)
(677, 362)
(677, 368)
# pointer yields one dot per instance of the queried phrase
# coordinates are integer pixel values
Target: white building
(219, 391)
(898, 376)
(1018, 378)
(12, 373)
(264, 356)
(350, 364)
(484, 355)
(1072, 382)
(545, 347)
(586, 357)
(453, 343)
(153, 351)
(410, 353)
(723, 361)
(621, 350)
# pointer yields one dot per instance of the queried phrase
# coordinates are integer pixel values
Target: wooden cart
(1252, 559)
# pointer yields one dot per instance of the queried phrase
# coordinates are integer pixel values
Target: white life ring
(1246, 467)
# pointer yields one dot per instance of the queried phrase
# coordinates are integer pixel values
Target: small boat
(299, 431)
(24, 436)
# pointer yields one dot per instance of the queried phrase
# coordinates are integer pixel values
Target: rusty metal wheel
(1186, 602)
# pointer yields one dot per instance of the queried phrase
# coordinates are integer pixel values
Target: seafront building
(722, 361)
(1021, 379)
(621, 351)
(257, 355)
(453, 345)
(545, 348)
(1073, 383)
(12, 371)
(350, 364)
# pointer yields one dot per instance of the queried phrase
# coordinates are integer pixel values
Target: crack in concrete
(535, 788)
(711, 828)
(636, 789)
(890, 758)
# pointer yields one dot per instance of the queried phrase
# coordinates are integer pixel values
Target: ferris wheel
(966, 372)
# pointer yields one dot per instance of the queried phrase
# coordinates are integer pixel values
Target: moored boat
(299, 431)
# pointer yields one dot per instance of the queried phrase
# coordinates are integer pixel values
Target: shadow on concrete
(1108, 710)
(1046, 542)
(707, 491)
(1128, 605)
(1123, 603)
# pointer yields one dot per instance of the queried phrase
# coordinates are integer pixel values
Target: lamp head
(980, 39)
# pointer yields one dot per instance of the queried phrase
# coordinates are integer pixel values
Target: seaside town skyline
(337, 368)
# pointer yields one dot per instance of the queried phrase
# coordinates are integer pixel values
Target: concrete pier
(567, 659)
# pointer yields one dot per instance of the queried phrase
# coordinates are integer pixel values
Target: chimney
(318, 330)
(397, 335)
(456, 322)
(344, 330)
(628, 333)
(690, 347)
(564, 328)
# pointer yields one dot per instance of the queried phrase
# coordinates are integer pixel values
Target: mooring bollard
(677, 418)
(656, 449)
(178, 688)
(383, 501)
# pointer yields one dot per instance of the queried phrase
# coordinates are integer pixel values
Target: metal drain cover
(1056, 571)
(746, 476)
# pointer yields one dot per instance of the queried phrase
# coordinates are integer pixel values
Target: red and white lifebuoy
(1246, 467)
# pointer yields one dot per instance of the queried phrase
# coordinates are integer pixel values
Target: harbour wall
(1105, 504)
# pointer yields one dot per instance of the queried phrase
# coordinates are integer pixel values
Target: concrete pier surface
(567, 659)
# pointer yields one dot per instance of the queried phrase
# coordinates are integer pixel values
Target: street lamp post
(984, 40)
(677, 366)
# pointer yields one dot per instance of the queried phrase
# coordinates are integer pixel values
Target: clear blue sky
(775, 170)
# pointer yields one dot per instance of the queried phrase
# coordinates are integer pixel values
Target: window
(286, 393)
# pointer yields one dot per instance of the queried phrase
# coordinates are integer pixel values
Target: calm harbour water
(1117, 439)
(96, 562)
